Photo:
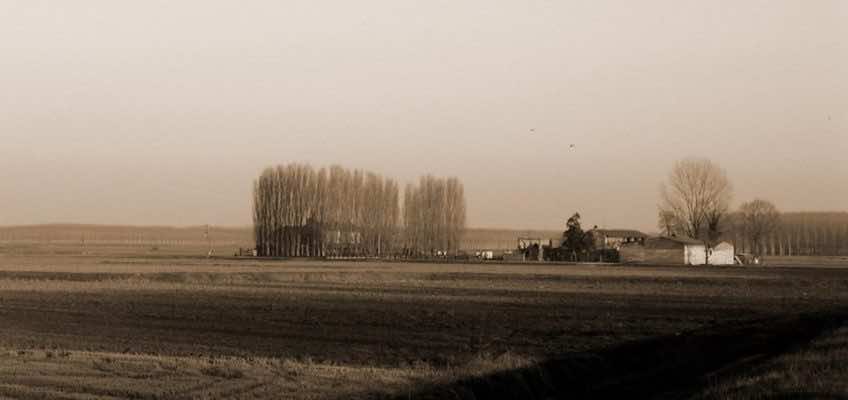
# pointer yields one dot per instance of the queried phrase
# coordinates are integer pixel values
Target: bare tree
(697, 195)
(759, 220)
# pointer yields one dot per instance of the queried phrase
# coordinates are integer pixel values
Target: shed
(721, 254)
(666, 250)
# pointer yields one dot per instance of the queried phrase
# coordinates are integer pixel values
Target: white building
(722, 254)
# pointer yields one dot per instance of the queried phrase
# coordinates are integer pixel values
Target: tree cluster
(577, 245)
(434, 216)
(300, 211)
(575, 241)
(756, 219)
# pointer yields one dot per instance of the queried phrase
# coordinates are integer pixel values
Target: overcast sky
(163, 112)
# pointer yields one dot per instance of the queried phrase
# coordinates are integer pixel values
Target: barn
(666, 250)
(722, 254)
(615, 238)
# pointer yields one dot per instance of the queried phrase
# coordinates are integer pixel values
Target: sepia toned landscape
(423, 200)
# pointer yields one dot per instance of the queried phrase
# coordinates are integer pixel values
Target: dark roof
(671, 242)
(682, 239)
(620, 233)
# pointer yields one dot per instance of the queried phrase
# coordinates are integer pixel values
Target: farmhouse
(615, 238)
(666, 250)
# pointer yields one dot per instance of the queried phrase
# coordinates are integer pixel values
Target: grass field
(816, 370)
(125, 325)
(816, 261)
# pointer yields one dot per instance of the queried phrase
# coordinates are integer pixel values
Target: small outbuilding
(721, 254)
(666, 250)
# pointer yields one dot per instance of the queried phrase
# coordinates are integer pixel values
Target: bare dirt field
(159, 326)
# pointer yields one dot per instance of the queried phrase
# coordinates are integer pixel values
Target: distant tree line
(434, 215)
(124, 235)
(299, 211)
(794, 234)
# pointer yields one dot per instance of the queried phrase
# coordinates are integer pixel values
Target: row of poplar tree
(433, 215)
(798, 234)
(300, 211)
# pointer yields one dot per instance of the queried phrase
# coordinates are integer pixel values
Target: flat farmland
(160, 326)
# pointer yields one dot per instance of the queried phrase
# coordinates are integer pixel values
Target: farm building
(615, 238)
(665, 250)
(722, 254)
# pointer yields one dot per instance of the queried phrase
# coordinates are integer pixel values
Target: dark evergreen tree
(576, 242)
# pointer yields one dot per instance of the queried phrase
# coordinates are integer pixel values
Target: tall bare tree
(298, 211)
(697, 194)
(434, 215)
(759, 219)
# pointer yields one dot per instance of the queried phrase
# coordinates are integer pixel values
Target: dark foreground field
(179, 327)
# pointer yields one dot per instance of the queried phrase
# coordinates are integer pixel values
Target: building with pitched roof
(666, 250)
(615, 238)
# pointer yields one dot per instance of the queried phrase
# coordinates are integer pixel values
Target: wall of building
(663, 243)
(722, 254)
(632, 254)
(613, 243)
(640, 254)
(696, 254)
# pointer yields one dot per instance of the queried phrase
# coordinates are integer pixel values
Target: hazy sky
(163, 112)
